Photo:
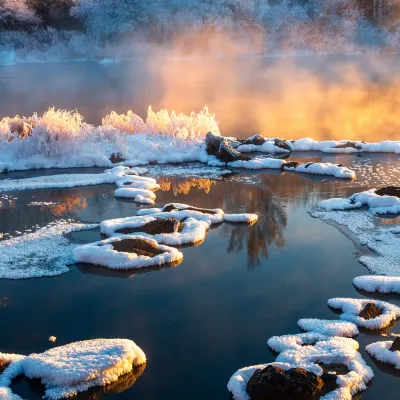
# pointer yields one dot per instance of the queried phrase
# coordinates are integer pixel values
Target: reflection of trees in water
(184, 185)
(68, 204)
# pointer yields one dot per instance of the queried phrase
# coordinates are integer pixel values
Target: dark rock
(340, 165)
(308, 164)
(395, 345)
(291, 164)
(257, 140)
(370, 311)
(3, 366)
(227, 153)
(282, 144)
(213, 142)
(116, 158)
(330, 382)
(389, 191)
(167, 225)
(273, 383)
(347, 145)
(171, 207)
(138, 246)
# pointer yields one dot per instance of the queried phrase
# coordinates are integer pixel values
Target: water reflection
(185, 185)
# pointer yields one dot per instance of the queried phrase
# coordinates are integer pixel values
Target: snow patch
(378, 283)
(381, 351)
(328, 327)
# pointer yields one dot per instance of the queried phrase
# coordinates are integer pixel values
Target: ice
(192, 231)
(328, 327)
(332, 350)
(45, 252)
(381, 351)
(241, 218)
(137, 182)
(102, 253)
(326, 169)
(76, 367)
(137, 194)
(378, 283)
(339, 204)
(258, 163)
(352, 307)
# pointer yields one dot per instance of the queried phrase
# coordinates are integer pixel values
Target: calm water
(202, 320)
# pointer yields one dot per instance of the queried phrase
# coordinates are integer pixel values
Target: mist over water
(323, 97)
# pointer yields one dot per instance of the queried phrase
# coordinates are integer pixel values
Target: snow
(193, 231)
(287, 342)
(328, 327)
(216, 217)
(137, 194)
(326, 169)
(339, 204)
(332, 350)
(267, 147)
(241, 218)
(137, 182)
(352, 307)
(103, 253)
(75, 367)
(378, 283)
(45, 252)
(382, 240)
(381, 351)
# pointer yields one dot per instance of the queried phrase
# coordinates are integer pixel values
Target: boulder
(389, 191)
(213, 142)
(395, 345)
(291, 164)
(227, 153)
(282, 144)
(171, 207)
(273, 383)
(257, 140)
(138, 246)
(159, 225)
(370, 311)
(3, 366)
(308, 164)
(347, 145)
(116, 158)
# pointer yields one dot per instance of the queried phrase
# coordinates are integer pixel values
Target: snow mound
(137, 182)
(328, 327)
(178, 210)
(289, 342)
(331, 351)
(352, 307)
(76, 367)
(378, 283)
(381, 351)
(45, 252)
(192, 231)
(103, 253)
(139, 195)
(339, 204)
(335, 170)
(241, 218)
(267, 147)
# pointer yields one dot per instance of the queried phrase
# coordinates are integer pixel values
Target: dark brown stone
(395, 345)
(227, 153)
(137, 246)
(3, 366)
(116, 158)
(370, 311)
(160, 225)
(308, 164)
(213, 142)
(389, 191)
(273, 383)
(330, 382)
(282, 144)
(171, 207)
(257, 140)
(291, 164)
(347, 145)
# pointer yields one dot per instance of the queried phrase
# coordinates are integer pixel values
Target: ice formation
(103, 253)
(335, 170)
(333, 350)
(381, 351)
(328, 327)
(378, 283)
(76, 367)
(352, 307)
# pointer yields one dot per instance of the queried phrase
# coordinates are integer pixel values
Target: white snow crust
(328, 327)
(381, 351)
(378, 283)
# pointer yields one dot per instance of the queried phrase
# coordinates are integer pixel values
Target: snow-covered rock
(382, 352)
(328, 327)
(378, 283)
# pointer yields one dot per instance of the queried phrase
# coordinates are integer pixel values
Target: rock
(389, 191)
(330, 382)
(370, 311)
(282, 144)
(139, 246)
(171, 207)
(291, 164)
(257, 140)
(347, 145)
(116, 158)
(273, 383)
(395, 345)
(167, 225)
(3, 366)
(227, 153)
(308, 164)
(213, 142)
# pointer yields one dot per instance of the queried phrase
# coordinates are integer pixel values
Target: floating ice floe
(338, 171)
(63, 181)
(384, 241)
(76, 367)
(351, 308)
(328, 327)
(241, 218)
(45, 252)
(378, 283)
(127, 252)
(382, 352)
(335, 350)
(161, 227)
(139, 195)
